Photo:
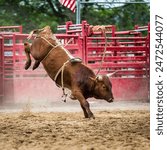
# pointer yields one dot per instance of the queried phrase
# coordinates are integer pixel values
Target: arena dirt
(111, 130)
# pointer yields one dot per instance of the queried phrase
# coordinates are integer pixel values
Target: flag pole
(78, 12)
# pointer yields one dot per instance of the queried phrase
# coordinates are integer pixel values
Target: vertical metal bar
(14, 54)
(78, 12)
(1, 70)
(21, 29)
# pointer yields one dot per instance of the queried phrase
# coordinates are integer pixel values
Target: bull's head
(103, 88)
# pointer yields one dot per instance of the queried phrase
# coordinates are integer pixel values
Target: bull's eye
(104, 87)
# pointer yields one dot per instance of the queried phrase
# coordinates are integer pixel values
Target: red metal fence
(1, 69)
(127, 52)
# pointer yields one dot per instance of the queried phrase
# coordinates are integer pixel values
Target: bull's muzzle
(110, 100)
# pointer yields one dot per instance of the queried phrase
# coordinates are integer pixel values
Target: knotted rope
(61, 70)
(54, 47)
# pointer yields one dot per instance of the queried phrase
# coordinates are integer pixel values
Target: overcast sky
(115, 3)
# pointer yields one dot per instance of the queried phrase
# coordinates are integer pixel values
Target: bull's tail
(33, 32)
(27, 52)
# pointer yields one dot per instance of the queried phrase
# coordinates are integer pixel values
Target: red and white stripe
(71, 4)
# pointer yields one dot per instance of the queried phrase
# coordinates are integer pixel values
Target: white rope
(47, 41)
(61, 68)
(70, 40)
(105, 49)
(50, 52)
(62, 79)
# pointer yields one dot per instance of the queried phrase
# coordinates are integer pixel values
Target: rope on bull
(54, 47)
(61, 70)
(64, 96)
(103, 30)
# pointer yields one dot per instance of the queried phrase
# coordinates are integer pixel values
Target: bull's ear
(92, 79)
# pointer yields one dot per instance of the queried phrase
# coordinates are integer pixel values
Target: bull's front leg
(84, 104)
(85, 112)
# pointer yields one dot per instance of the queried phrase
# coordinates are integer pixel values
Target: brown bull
(65, 71)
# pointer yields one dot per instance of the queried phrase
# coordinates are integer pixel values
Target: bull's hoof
(27, 65)
(36, 65)
(73, 97)
(91, 116)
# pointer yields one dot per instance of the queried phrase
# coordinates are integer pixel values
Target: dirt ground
(113, 129)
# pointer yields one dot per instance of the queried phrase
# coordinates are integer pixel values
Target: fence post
(85, 27)
(68, 23)
(1, 69)
(83, 36)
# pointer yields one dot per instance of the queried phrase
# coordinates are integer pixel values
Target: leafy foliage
(36, 14)
(124, 17)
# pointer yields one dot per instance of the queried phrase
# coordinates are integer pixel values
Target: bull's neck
(89, 92)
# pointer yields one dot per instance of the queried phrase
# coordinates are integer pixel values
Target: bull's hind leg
(27, 52)
(84, 104)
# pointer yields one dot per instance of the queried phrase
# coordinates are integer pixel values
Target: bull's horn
(111, 74)
(99, 77)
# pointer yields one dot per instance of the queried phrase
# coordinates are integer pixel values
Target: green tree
(33, 14)
(124, 17)
(38, 13)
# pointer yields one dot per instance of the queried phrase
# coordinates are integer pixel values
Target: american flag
(71, 4)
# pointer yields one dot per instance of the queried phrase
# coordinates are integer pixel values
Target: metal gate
(128, 53)
(1, 70)
(9, 53)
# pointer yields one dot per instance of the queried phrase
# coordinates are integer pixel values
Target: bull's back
(55, 61)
